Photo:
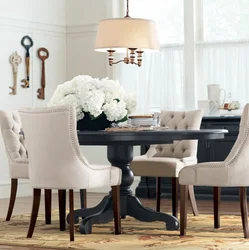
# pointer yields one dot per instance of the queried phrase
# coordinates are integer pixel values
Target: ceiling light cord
(127, 9)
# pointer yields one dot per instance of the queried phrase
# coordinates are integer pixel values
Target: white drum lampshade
(132, 36)
(120, 34)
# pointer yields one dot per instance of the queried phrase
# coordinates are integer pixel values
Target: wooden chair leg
(14, 184)
(158, 193)
(175, 185)
(183, 209)
(216, 197)
(62, 209)
(116, 208)
(71, 214)
(83, 198)
(35, 210)
(48, 206)
(191, 194)
(244, 211)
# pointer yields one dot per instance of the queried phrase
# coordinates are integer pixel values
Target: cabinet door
(220, 149)
(203, 152)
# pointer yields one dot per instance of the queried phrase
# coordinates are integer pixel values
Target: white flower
(112, 90)
(95, 97)
(115, 110)
(92, 102)
(131, 102)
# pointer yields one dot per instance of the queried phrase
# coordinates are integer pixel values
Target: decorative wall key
(15, 60)
(27, 46)
(43, 54)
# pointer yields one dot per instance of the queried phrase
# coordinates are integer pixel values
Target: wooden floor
(23, 206)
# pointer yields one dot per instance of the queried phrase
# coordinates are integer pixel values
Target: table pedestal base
(121, 156)
(129, 205)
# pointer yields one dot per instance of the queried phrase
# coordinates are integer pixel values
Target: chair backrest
(238, 158)
(190, 120)
(13, 140)
(55, 160)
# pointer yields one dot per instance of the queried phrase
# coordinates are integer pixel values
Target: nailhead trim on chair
(241, 146)
(209, 166)
(76, 148)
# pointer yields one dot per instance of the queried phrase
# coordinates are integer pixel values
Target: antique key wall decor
(43, 54)
(27, 46)
(15, 60)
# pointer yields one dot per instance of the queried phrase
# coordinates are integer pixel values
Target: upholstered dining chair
(55, 161)
(15, 151)
(167, 160)
(232, 172)
(17, 156)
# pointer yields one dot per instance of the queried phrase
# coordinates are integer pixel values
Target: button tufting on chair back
(14, 142)
(179, 120)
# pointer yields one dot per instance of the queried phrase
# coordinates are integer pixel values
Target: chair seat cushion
(19, 168)
(104, 175)
(205, 174)
(156, 166)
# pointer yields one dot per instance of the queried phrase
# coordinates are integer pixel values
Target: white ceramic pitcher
(214, 94)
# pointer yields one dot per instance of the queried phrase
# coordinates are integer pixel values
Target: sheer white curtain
(223, 52)
(159, 83)
(226, 64)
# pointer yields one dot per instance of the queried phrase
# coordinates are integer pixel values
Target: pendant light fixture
(131, 36)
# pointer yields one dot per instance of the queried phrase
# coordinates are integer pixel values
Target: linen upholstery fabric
(167, 160)
(14, 144)
(54, 153)
(234, 171)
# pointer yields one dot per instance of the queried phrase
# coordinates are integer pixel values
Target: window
(168, 15)
(226, 20)
(223, 57)
(222, 53)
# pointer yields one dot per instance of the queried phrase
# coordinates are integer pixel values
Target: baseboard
(24, 189)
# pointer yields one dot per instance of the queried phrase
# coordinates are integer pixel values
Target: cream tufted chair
(56, 161)
(233, 172)
(15, 151)
(18, 158)
(167, 160)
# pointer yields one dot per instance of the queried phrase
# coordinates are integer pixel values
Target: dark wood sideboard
(215, 150)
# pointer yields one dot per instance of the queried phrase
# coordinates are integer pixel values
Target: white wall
(82, 19)
(44, 21)
(85, 12)
(51, 12)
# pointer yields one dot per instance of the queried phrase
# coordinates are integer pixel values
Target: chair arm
(152, 151)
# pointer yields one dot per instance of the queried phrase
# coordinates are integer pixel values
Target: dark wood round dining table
(120, 154)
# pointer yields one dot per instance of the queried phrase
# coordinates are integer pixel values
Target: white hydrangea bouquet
(98, 102)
